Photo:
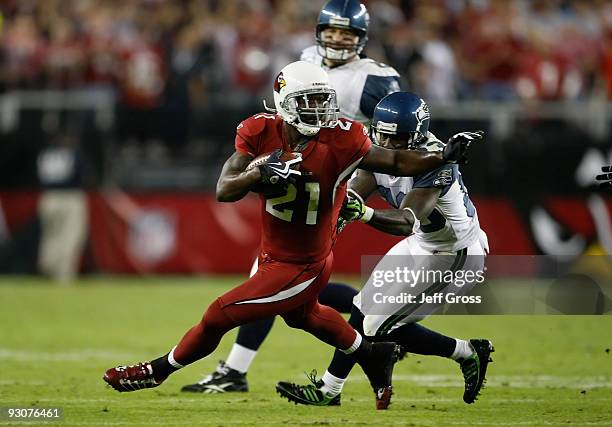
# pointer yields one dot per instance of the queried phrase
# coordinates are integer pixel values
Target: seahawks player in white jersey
(435, 212)
(360, 83)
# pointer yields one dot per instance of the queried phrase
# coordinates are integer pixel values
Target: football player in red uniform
(360, 83)
(301, 199)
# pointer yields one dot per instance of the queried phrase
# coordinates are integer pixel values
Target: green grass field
(56, 342)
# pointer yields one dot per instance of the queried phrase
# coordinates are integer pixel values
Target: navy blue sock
(251, 335)
(338, 296)
(415, 338)
(342, 364)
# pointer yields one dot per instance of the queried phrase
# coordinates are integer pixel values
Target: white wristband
(368, 214)
(416, 224)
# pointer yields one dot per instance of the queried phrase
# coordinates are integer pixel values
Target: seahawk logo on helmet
(304, 98)
(404, 115)
(422, 116)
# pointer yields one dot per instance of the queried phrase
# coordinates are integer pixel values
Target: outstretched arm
(400, 162)
(234, 183)
(412, 162)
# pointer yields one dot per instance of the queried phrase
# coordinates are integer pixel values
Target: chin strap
(269, 109)
(307, 131)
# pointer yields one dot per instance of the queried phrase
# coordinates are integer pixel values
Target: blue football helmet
(347, 14)
(403, 116)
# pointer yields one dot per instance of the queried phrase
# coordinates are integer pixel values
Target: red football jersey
(300, 225)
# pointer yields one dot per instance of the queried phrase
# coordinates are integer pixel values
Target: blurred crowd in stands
(169, 56)
(185, 72)
(178, 51)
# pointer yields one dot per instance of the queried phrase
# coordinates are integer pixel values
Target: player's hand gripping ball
(277, 169)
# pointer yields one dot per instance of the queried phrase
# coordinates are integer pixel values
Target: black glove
(457, 148)
(275, 170)
(605, 178)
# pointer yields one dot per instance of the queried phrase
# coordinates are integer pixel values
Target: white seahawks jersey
(453, 224)
(359, 85)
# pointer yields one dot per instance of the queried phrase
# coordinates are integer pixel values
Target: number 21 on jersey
(286, 214)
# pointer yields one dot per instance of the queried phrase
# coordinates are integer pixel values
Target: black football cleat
(309, 394)
(223, 380)
(132, 378)
(378, 367)
(474, 369)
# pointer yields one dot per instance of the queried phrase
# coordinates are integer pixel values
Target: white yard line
(348, 422)
(21, 382)
(507, 381)
(502, 381)
(173, 400)
(526, 423)
(65, 356)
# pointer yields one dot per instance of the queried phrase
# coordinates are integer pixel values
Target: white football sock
(332, 385)
(354, 346)
(463, 349)
(172, 360)
(240, 358)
